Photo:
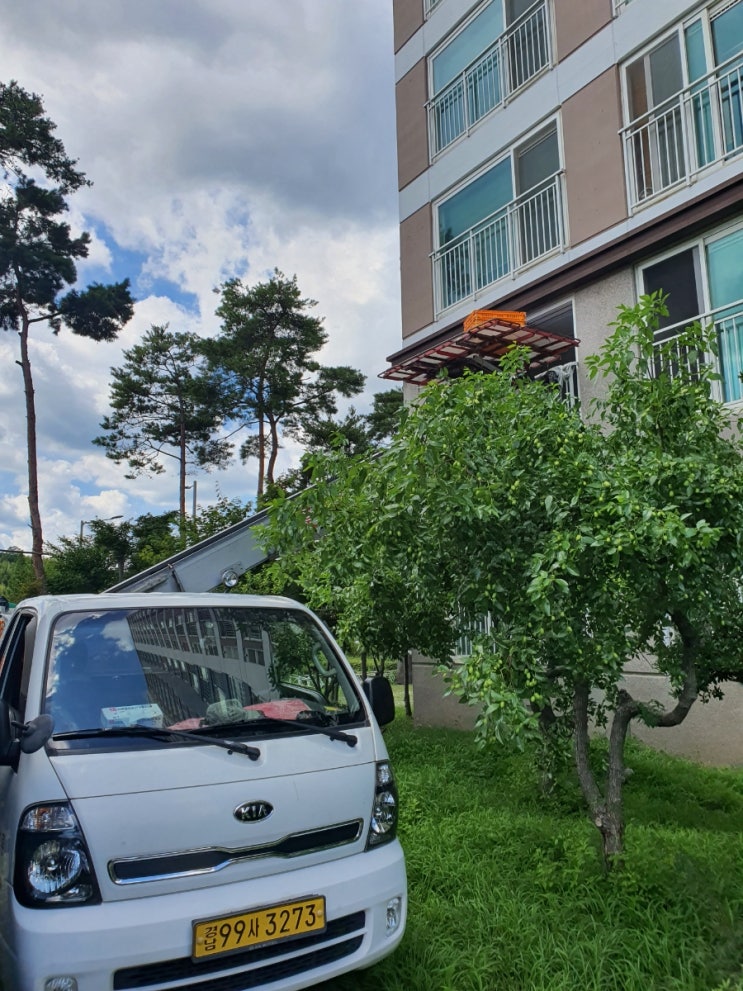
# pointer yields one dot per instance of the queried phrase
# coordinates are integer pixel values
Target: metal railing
(505, 242)
(510, 63)
(727, 363)
(701, 125)
(477, 627)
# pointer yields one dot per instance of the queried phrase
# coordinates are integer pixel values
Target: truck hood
(164, 820)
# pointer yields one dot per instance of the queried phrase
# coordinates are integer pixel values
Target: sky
(223, 138)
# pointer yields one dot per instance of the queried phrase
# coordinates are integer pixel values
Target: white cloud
(223, 137)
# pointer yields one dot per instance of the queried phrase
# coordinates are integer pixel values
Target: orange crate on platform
(478, 317)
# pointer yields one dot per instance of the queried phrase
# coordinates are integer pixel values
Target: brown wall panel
(415, 271)
(407, 16)
(412, 126)
(577, 20)
(594, 174)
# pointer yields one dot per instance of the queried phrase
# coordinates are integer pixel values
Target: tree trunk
(549, 736)
(261, 458)
(606, 809)
(182, 478)
(37, 536)
(406, 668)
(364, 666)
(611, 826)
(273, 450)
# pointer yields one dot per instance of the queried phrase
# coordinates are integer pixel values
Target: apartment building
(556, 159)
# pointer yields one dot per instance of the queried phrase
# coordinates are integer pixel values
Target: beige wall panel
(577, 20)
(594, 174)
(407, 16)
(412, 127)
(415, 271)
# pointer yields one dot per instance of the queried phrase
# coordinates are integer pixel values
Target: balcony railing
(515, 58)
(517, 235)
(701, 125)
(727, 363)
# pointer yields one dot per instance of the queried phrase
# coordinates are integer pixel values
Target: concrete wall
(430, 706)
(594, 308)
(710, 734)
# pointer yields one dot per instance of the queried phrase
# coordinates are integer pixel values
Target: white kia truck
(194, 793)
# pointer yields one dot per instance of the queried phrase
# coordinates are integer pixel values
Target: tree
(165, 406)
(37, 260)
(384, 418)
(79, 566)
(357, 433)
(116, 542)
(562, 547)
(110, 552)
(264, 355)
(27, 139)
(218, 516)
(154, 538)
(16, 574)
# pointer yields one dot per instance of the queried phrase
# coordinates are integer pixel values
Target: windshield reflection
(185, 668)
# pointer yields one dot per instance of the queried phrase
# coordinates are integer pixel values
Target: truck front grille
(309, 952)
(192, 862)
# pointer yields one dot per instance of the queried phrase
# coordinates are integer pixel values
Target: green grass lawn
(507, 892)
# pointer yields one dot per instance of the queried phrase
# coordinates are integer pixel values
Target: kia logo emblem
(253, 811)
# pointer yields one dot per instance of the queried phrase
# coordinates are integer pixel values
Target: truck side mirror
(379, 692)
(35, 733)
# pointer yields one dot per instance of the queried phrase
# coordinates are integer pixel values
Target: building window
(508, 217)
(504, 46)
(560, 320)
(704, 281)
(683, 103)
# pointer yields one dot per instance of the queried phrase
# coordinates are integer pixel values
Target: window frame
(695, 127)
(514, 242)
(465, 100)
(17, 660)
(699, 245)
(458, 30)
(527, 140)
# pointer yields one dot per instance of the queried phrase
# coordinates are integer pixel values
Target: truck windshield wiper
(167, 735)
(306, 725)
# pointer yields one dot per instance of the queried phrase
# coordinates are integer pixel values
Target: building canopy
(484, 337)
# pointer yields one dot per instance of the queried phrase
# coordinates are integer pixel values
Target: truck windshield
(187, 668)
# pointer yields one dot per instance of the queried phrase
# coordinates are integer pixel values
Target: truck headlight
(383, 820)
(52, 863)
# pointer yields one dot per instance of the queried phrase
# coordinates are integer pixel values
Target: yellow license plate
(264, 925)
